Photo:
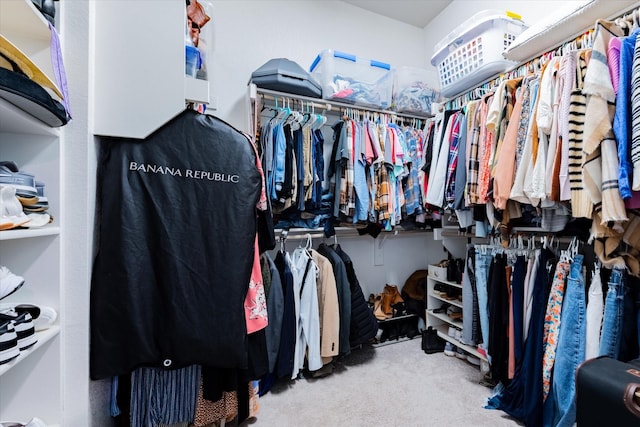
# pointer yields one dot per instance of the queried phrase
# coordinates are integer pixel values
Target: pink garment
(255, 302)
(368, 145)
(613, 60)
(505, 168)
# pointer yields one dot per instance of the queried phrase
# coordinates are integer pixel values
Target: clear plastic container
(411, 93)
(348, 78)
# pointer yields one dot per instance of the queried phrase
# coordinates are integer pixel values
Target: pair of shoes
(431, 342)
(390, 297)
(9, 282)
(11, 213)
(29, 193)
(454, 332)
(23, 325)
(442, 309)
(8, 342)
(43, 316)
(449, 349)
(454, 312)
(33, 422)
(460, 353)
(24, 183)
(16, 334)
(473, 360)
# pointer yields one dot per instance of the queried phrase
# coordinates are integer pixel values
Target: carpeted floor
(391, 385)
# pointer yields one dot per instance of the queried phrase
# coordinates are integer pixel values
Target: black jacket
(177, 225)
(364, 325)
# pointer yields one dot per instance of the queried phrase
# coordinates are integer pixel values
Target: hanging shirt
(308, 321)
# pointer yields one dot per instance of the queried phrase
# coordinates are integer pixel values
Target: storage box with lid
(472, 52)
(411, 93)
(349, 78)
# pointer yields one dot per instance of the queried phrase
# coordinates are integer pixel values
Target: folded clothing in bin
(284, 75)
(348, 78)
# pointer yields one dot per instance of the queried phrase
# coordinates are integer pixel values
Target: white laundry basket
(472, 52)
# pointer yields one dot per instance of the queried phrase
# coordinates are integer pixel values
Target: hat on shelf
(23, 84)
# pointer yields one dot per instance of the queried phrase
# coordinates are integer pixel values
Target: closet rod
(255, 92)
(456, 101)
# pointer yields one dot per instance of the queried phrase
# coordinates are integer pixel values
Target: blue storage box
(351, 79)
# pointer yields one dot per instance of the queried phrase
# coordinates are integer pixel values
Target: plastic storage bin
(348, 78)
(472, 52)
(411, 93)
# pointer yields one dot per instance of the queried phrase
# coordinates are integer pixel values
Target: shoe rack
(31, 384)
(439, 292)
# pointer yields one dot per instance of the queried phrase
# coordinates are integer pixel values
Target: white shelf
(24, 26)
(43, 337)
(455, 302)
(446, 282)
(442, 333)
(28, 233)
(446, 319)
(14, 120)
(562, 25)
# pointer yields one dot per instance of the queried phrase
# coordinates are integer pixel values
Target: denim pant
(522, 397)
(469, 301)
(483, 262)
(571, 347)
(613, 312)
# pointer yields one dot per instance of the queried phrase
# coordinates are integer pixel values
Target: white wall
(249, 33)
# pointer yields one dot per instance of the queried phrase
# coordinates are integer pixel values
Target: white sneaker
(460, 353)
(9, 282)
(33, 422)
(473, 360)
(449, 349)
(8, 342)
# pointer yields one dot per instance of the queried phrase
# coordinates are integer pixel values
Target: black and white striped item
(8, 342)
(23, 324)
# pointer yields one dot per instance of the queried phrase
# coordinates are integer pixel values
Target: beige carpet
(392, 385)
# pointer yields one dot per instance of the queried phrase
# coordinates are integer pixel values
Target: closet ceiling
(415, 12)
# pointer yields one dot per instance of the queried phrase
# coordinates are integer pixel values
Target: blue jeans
(613, 312)
(483, 262)
(571, 347)
(522, 397)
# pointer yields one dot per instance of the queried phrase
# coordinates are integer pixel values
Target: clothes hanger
(283, 238)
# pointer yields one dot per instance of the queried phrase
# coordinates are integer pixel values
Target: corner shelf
(441, 321)
(43, 337)
(27, 233)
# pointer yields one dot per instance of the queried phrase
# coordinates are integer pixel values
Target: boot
(395, 294)
(388, 297)
(378, 312)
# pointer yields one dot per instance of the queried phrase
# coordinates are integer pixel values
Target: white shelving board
(43, 337)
